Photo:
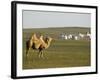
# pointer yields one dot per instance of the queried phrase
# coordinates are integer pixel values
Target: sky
(44, 19)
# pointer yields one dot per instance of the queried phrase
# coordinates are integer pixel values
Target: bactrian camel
(38, 43)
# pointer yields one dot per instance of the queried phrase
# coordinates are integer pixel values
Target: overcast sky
(42, 19)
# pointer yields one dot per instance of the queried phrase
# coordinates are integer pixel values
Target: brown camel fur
(38, 43)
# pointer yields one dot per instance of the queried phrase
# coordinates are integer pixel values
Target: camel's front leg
(28, 46)
(40, 54)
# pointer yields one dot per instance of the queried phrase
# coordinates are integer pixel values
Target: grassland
(61, 53)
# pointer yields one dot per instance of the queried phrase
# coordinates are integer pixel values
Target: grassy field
(61, 53)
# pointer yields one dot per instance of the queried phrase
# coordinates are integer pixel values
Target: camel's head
(49, 39)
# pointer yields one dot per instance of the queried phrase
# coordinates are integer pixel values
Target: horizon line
(57, 27)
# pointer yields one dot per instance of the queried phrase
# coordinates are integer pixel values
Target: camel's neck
(47, 44)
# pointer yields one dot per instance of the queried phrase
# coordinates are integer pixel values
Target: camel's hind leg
(27, 51)
(27, 47)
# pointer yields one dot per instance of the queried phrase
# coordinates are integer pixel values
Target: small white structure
(62, 36)
(76, 37)
(66, 37)
(81, 35)
(70, 36)
(88, 34)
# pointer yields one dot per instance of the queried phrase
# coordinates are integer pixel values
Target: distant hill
(55, 32)
(58, 30)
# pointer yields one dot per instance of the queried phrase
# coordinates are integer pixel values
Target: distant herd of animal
(79, 36)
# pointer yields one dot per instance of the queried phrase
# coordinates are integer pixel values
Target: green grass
(61, 53)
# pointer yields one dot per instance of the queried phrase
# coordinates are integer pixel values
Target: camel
(38, 43)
